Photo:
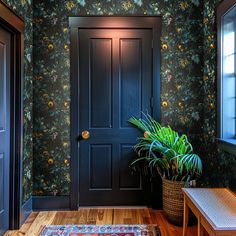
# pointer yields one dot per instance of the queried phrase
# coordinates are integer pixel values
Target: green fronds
(163, 149)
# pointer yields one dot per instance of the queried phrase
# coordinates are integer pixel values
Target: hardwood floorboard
(43, 218)
(146, 218)
(25, 227)
(103, 216)
(125, 217)
(37, 220)
(92, 216)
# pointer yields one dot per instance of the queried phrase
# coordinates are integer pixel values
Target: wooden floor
(36, 221)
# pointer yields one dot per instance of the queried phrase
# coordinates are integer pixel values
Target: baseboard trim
(42, 203)
(26, 210)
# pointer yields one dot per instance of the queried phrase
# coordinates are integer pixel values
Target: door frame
(105, 22)
(14, 24)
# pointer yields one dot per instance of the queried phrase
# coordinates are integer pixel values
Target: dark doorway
(5, 46)
(11, 117)
(118, 77)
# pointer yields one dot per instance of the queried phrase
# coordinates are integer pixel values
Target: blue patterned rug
(100, 230)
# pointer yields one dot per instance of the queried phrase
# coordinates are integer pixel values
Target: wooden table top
(218, 205)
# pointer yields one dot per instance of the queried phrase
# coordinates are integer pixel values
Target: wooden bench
(215, 210)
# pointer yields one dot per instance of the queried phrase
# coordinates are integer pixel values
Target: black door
(115, 71)
(4, 128)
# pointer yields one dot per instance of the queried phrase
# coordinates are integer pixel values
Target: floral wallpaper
(182, 91)
(188, 84)
(24, 8)
(220, 167)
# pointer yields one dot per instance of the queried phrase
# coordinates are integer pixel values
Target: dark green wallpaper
(220, 167)
(25, 9)
(182, 81)
(188, 84)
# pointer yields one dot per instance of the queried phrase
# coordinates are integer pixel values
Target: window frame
(226, 144)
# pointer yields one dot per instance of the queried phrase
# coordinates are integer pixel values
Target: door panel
(127, 180)
(4, 128)
(100, 71)
(131, 78)
(115, 70)
(101, 158)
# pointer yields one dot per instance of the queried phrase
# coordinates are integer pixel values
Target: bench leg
(185, 223)
(200, 229)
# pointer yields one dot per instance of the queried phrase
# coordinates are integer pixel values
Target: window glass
(228, 74)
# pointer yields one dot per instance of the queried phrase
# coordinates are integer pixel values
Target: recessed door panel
(100, 166)
(130, 79)
(100, 83)
(128, 180)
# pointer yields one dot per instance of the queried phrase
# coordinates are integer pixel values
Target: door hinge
(152, 102)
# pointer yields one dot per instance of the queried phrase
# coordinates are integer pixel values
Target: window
(226, 75)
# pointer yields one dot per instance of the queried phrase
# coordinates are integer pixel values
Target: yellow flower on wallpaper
(165, 104)
(70, 5)
(184, 5)
(50, 46)
(50, 161)
(127, 5)
(67, 104)
(65, 144)
(184, 62)
(165, 46)
(66, 47)
(51, 104)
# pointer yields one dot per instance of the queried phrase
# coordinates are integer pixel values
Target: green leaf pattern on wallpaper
(220, 167)
(188, 83)
(181, 76)
(25, 9)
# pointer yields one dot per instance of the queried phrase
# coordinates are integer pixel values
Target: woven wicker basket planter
(173, 200)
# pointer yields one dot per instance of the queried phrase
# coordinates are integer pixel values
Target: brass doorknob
(85, 134)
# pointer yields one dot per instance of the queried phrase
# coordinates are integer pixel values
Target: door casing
(15, 26)
(105, 22)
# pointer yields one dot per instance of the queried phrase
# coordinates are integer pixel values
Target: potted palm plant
(171, 155)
